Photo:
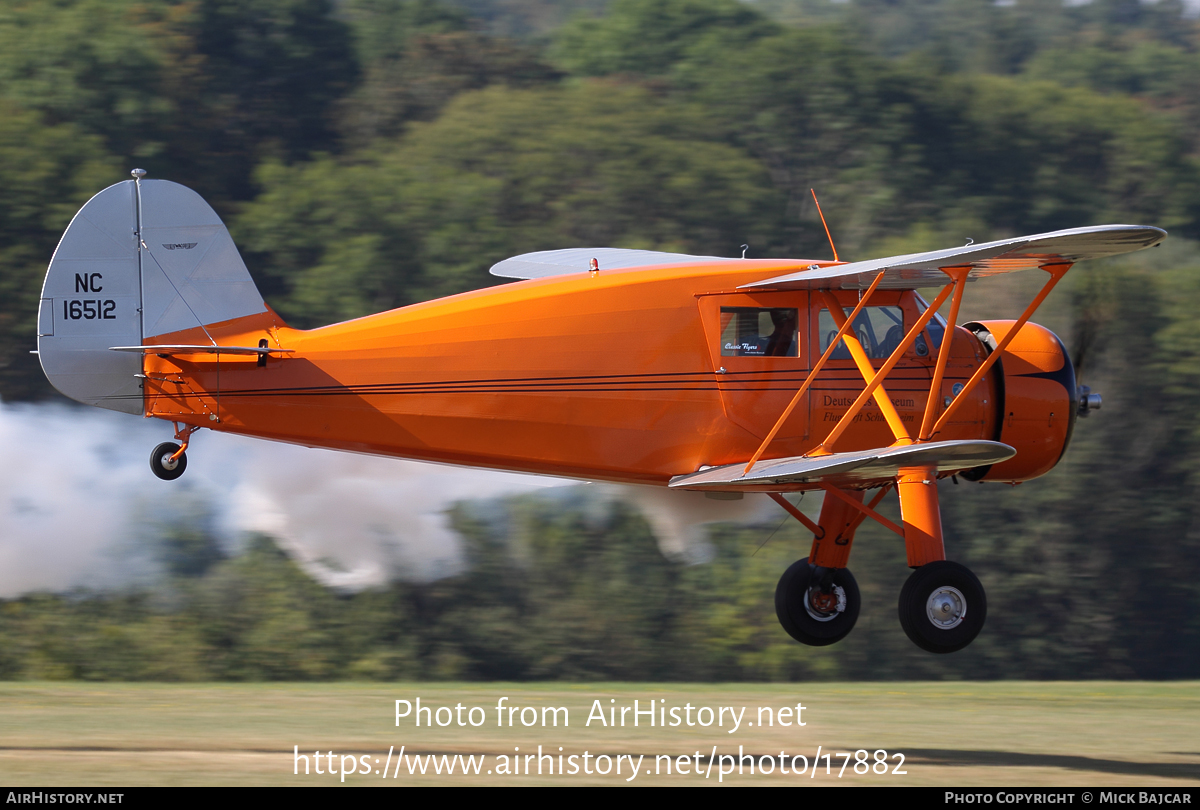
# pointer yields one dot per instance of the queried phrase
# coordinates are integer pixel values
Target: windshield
(878, 329)
(935, 329)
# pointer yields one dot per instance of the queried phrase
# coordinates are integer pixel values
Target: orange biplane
(690, 372)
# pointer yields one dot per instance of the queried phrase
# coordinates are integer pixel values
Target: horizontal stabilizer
(200, 348)
(845, 469)
(545, 263)
(913, 270)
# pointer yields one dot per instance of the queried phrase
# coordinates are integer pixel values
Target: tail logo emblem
(180, 246)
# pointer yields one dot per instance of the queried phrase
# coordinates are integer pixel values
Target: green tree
(890, 143)
(501, 172)
(198, 92)
(650, 37)
(46, 173)
(274, 70)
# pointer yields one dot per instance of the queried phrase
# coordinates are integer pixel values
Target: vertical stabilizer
(107, 287)
(91, 300)
(192, 273)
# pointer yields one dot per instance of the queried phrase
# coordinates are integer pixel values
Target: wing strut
(1056, 271)
(876, 382)
(883, 490)
(843, 328)
(817, 531)
(959, 274)
(868, 511)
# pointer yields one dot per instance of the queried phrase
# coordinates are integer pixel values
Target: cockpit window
(754, 332)
(878, 329)
(935, 329)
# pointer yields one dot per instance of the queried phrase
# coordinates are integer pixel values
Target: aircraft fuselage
(630, 375)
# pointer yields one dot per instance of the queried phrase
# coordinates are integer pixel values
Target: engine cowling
(1037, 402)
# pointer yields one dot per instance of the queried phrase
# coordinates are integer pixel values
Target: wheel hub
(946, 607)
(825, 607)
(168, 463)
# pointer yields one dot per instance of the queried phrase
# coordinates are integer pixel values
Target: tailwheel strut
(168, 460)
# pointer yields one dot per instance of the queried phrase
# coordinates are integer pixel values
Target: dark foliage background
(374, 153)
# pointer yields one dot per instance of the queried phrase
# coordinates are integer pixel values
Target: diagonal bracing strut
(812, 375)
(876, 382)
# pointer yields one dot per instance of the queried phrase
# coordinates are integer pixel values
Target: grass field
(961, 734)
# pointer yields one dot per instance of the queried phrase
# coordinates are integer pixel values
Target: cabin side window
(878, 329)
(758, 332)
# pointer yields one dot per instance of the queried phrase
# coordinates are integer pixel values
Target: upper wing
(1023, 253)
(578, 260)
(857, 468)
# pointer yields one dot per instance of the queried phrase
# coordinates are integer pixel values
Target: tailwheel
(942, 607)
(817, 606)
(165, 464)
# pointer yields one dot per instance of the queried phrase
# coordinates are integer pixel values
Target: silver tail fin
(142, 259)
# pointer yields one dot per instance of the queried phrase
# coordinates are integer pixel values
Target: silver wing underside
(546, 263)
(915, 270)
(845, 469)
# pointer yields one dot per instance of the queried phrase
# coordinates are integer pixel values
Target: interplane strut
(1056, 271)
(876, 382)
(812, 375)
(916, 486)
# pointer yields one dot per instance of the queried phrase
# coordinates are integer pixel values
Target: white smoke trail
(357, 521)
(74, 484)
(678, 519)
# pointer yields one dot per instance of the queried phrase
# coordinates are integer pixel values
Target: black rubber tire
(915, 606)
(158, 457)
(790, 606)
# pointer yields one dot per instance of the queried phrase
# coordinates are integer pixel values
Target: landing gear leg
(817, 599)
(942, 605)
(168, 460)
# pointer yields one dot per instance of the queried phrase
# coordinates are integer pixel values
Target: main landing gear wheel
(942, 607)
(817, 606)
(161, 464)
